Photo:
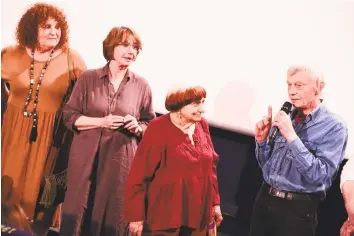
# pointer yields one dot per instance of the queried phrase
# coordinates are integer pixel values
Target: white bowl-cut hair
(315, 75)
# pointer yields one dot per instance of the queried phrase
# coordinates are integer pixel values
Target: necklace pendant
(34, 113)
(27, 114)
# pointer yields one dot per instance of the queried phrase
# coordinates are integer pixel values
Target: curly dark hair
(34, 17)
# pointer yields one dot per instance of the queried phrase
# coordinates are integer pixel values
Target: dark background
(239, 179)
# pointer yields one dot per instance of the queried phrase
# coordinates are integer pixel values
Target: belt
(290, 195)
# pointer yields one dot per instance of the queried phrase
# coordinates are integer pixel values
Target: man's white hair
(317, 77)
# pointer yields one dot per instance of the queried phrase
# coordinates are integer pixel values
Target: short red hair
(177, 99)
(118, 35)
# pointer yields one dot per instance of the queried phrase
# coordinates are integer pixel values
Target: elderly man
(347, 187)
(300, 164)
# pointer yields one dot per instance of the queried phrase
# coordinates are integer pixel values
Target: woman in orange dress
(37, 76)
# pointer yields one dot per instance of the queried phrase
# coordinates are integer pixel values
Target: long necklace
(33, 136)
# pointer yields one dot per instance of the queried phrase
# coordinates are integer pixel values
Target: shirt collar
(313, 115)
(103, 72)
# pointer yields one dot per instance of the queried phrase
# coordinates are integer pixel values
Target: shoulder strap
(59, 128)
(70, 65)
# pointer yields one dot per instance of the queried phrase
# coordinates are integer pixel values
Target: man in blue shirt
(301, 163)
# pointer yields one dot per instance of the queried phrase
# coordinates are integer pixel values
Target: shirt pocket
(123, 108)
(133, 105)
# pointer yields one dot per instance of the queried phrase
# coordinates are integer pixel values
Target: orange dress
(23, 163)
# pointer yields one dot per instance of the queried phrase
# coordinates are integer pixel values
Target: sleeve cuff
(216, 201)
(73, 119)
(296, 146)
(134, 214)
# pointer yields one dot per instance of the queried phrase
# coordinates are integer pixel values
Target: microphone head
(286, 107)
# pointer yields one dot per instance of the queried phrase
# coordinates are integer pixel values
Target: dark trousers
(274, 216)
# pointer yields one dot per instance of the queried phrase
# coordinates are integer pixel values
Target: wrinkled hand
(347, 229)
(283, 122)
(136, 228)
(263, 126)
(112, 121)
(217, 215)
(132, 124)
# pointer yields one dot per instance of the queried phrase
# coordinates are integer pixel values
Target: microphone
(275, 130)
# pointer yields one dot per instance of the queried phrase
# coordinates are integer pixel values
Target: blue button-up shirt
(310, 162)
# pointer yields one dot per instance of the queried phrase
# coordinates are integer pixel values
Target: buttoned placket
(112, 95)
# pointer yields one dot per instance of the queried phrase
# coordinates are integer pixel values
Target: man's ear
(322, 84)
(319, 86)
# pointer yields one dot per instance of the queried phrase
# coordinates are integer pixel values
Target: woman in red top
(172, 187)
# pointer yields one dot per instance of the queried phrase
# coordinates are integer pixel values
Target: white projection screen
(238, 50)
